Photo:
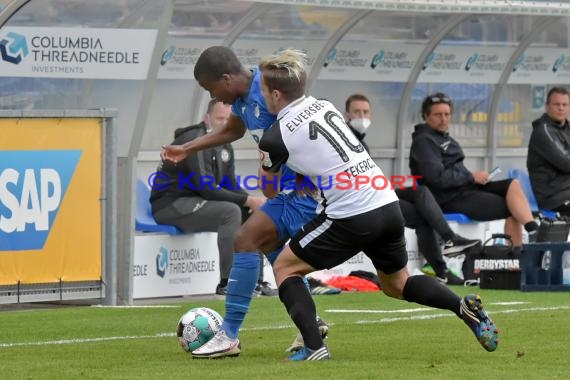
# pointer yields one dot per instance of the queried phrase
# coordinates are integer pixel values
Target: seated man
(438, 158)
(548, 159)
(202, 206)
(420, 209)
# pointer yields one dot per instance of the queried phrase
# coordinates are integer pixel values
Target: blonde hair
(285, 71)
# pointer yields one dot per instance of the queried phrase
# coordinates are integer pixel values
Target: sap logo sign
(32, 188)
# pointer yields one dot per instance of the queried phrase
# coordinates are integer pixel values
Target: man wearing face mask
(421, 211)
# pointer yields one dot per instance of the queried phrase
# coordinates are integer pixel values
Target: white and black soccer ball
(197, 326)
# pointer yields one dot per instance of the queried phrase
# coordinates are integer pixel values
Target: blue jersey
(254, 114)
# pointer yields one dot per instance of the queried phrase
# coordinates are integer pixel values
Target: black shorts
(483, 202)
(326, 243)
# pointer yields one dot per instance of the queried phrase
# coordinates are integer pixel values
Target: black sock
(531, 226)
(426, 290)
(301, 308)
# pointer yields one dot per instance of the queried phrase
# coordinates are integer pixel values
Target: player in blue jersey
(219, 71)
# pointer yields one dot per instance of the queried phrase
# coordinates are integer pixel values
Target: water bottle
(566, 268)
(500, 241)
(546, 259)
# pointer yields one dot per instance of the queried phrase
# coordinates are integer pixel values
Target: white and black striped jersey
(312, 138)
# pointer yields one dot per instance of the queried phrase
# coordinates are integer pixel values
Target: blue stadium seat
(144, 221)
(524, 180)
(458, 217)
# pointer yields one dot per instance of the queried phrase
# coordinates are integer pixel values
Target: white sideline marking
(163, 335)
(435, 316)
(508, 303)
(396, 311)
(137, 306)
(378, 311)
(85, 340)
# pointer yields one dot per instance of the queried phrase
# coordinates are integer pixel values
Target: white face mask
(361, 125)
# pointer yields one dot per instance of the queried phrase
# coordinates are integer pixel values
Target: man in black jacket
(203, 195)
(548, 159)
(438, 158)
(420, 210)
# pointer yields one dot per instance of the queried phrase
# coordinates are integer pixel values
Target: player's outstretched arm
(233, 130)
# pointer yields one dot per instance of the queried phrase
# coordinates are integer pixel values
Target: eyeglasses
(437, 99)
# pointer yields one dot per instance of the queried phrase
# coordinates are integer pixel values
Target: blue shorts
(289, 212)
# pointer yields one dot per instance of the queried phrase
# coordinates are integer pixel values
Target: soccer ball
(197, 326)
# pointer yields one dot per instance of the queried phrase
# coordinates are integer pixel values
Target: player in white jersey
(311, 137)
(342, 162)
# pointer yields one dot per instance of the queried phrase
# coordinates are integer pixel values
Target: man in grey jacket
(203, 194)
(548, 159)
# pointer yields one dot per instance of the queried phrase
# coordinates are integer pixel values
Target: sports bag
(496, 266)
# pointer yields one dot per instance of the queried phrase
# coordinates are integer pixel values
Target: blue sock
(241, 283)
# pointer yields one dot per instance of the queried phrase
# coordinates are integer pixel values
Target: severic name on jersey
(361, 167)
(304, 115)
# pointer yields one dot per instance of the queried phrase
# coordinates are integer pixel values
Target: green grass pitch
(371, 337)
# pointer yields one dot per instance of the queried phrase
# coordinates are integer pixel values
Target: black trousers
(422, 213)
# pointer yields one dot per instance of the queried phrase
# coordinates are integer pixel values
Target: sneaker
(458, 244)
(449, 278)
(222, 290)
(298, 343)
(479, 322)
(328, 290)
(319, 287)
(428, 269)
(532, 235)
(217, 347)
(307, 354)
(265, 289)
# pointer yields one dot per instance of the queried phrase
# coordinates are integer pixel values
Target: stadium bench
(524, 180)
(144, 221)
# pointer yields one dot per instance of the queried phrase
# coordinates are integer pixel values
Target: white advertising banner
(98, 53)
(180, 265)
(180, 56)
(465, 64)
(542, 65)
(86, 53)
(371, 61)
(251, 54)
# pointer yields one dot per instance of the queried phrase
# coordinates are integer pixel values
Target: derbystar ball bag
(496, 266)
